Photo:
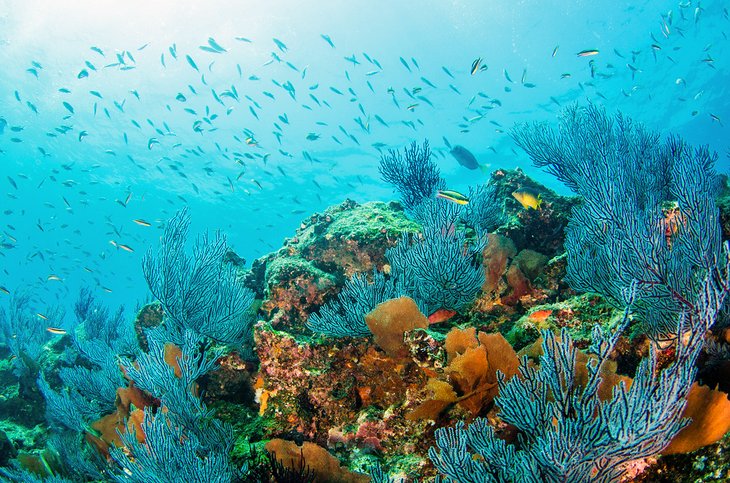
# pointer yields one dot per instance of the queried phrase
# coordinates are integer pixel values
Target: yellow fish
(454, 196)
(56, 330)
(528, 198)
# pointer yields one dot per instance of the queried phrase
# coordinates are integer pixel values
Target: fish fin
(539, 201)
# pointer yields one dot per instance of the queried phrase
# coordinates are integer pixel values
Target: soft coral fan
(485, 211)
(96, 323)
(198, 293)
(413, 174)
(90, 385)
(567, 432)
(24, 332)
(182, 440)
(440, 268)
(169, 455)
(175, 385)
(345, 315)
(648, 210)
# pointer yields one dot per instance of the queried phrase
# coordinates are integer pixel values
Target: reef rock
(7, 450)
(327, 249)
(346, 395)
(539, 230)
(148, 317)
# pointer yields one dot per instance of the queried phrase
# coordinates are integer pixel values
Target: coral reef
(647, 211)
(708, 464)
(539, 230)
(578, 314)
(322, 390)
(326, 250)
(370, 359)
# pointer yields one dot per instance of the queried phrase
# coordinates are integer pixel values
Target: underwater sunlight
(380, 241)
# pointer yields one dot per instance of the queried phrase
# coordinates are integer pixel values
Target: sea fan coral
(24, 333)
(648, 210)
(439, 268)
(485, 210)
(169, 454)
(413, 174)
(345, 316)
(568, 432)
(198, 293)
(173, 382)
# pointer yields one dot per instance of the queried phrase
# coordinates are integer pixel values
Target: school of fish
(229, 131)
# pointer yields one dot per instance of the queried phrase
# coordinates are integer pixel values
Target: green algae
(365, 223)
(299, 338)
(250, 429)
(27, 439)
(287, 268)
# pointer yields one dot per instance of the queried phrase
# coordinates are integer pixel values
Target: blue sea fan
(66, 409)
(439, 268)
(437, 213)
(185, 441)
(95, 322)
(152, 373)
(169, 454)
(90, 383)
(413, 174)
(567, 432)
(24, 333)
(345, 315)
(199, 293)
(485, 211)
(78, 456)
(648, 211)
(378, 475)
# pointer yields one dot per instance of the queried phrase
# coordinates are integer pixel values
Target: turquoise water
(275, 123)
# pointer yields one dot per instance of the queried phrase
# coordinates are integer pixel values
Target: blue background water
(69, 203)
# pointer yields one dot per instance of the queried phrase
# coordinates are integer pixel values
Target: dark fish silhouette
(464, 157)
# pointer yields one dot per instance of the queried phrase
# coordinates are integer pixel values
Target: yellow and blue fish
(452, 195)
